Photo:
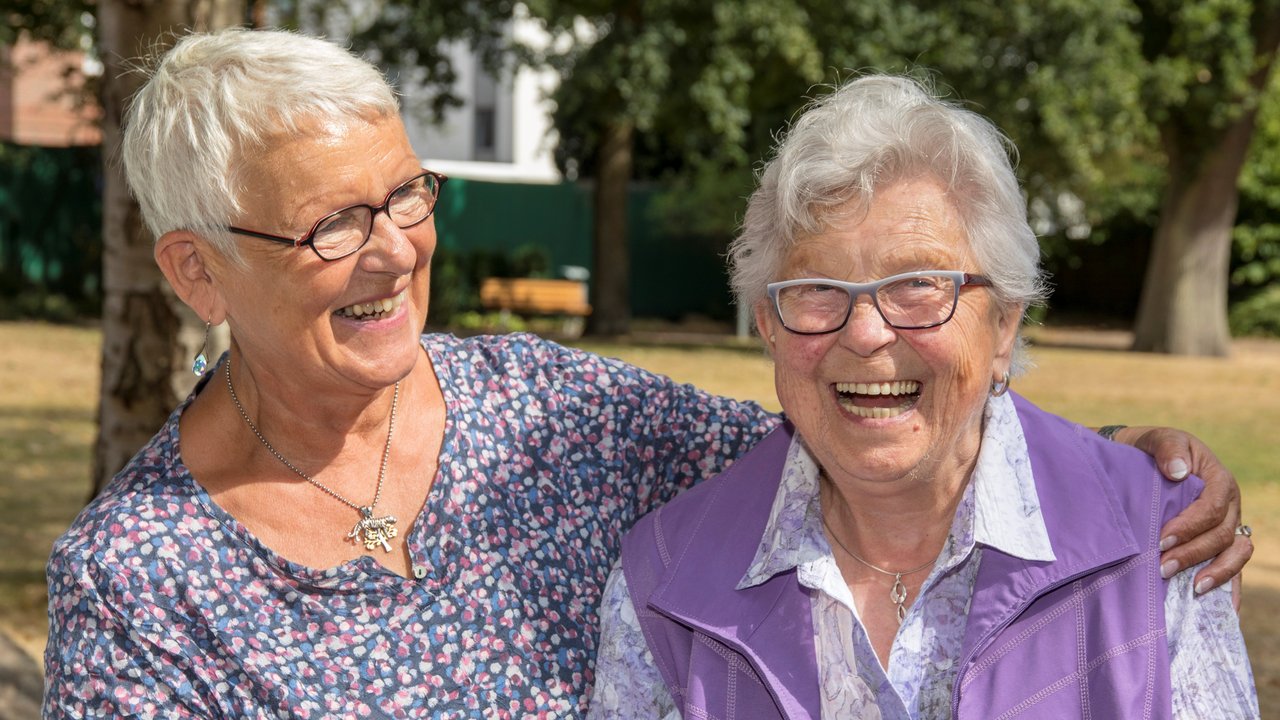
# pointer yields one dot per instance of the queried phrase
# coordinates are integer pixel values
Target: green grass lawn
(48, 397)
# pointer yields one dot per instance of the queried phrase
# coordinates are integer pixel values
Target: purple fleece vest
(1080, 637)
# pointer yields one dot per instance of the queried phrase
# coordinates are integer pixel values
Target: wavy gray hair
(213, 98)
(867, 134)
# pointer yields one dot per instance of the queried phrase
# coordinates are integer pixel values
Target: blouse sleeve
(662, 436)
(1209, 667)
(628, 683)
(99, 663)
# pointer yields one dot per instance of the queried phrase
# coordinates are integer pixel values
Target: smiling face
(880, 404)
(352, 322)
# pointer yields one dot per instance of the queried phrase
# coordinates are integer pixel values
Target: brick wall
(36, 107)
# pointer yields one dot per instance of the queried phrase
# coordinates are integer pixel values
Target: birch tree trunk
(148, 336)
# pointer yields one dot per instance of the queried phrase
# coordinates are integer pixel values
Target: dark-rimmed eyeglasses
(908, 301)
(342, 233)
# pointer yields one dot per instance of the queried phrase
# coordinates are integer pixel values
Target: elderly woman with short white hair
(916, 541)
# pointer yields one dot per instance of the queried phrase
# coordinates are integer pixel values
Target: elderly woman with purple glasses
(348, 518)
(916, 541)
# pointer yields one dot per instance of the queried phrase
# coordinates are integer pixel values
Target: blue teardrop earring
(201, 362)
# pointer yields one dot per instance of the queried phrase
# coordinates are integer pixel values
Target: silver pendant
(898, 594)
(374, 531)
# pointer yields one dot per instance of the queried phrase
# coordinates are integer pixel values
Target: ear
(766, 322)
(184, 258)
(1008, 321)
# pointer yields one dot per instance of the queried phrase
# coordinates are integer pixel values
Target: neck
(308, 428)
(901, 525)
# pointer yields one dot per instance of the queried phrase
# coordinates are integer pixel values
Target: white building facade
(502, 131)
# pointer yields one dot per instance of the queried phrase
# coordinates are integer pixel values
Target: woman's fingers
(1207, 528)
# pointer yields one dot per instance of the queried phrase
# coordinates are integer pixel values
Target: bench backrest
(535, 296)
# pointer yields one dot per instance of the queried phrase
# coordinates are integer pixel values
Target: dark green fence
(50, 236)
(518, 230)
(672, 274)
(50, 242)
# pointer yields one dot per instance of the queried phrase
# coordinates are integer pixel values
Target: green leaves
(1096, 94)
(66, 24)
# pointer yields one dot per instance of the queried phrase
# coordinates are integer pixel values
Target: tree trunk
(148, 336)
(611, 276)
(1183, 309)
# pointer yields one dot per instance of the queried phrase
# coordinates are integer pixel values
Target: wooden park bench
(538, 296)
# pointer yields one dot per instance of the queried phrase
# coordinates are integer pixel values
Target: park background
(1149, 145)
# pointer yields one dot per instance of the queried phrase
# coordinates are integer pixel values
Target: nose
(390, 249)
(866, 332)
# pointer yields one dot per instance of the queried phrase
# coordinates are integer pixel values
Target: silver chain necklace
(898, 593)
(370, 530)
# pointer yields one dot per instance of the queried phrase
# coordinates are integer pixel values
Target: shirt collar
(1005, 515)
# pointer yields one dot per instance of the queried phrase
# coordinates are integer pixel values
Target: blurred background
(610, 145)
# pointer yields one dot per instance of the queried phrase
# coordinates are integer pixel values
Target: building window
(485, 133)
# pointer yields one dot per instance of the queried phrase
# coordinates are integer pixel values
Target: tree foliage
(1113, 105)
(645, 87)
(1118, 109)
(1256, 249)
(65, 24)
(698, 80)
(410, 39)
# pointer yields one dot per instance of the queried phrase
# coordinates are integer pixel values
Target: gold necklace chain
(898, 593)
(372, 531)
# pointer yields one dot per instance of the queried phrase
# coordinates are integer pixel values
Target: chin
(378, 364)
(380, 373)
(880, 452)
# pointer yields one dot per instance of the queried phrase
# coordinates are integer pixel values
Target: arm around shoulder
(1208, 664)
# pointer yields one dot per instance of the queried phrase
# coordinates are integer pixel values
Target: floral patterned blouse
(162, 604)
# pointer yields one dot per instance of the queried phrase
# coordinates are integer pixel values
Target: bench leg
(573, 326)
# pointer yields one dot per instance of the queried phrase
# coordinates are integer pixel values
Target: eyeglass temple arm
(264, 236)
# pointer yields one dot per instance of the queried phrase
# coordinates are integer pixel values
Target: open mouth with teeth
(375, 310)
(878, 400)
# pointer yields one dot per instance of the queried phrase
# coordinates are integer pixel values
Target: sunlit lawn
(49, 377)
(48, 388)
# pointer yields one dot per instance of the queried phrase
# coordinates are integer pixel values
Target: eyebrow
(317, 199)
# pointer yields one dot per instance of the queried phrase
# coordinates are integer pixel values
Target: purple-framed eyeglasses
(342, 233)
(908, 301)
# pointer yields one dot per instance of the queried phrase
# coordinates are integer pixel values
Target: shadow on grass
(36, 439)
(45, 455)
(45, 413)
(21, 682)
(1076, 344)
(750, 347)
(1262, 637)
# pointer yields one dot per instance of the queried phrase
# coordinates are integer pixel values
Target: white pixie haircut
(870, 133)
(216, 97)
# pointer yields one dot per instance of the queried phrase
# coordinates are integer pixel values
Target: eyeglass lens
(909, 303)
(347, 230)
